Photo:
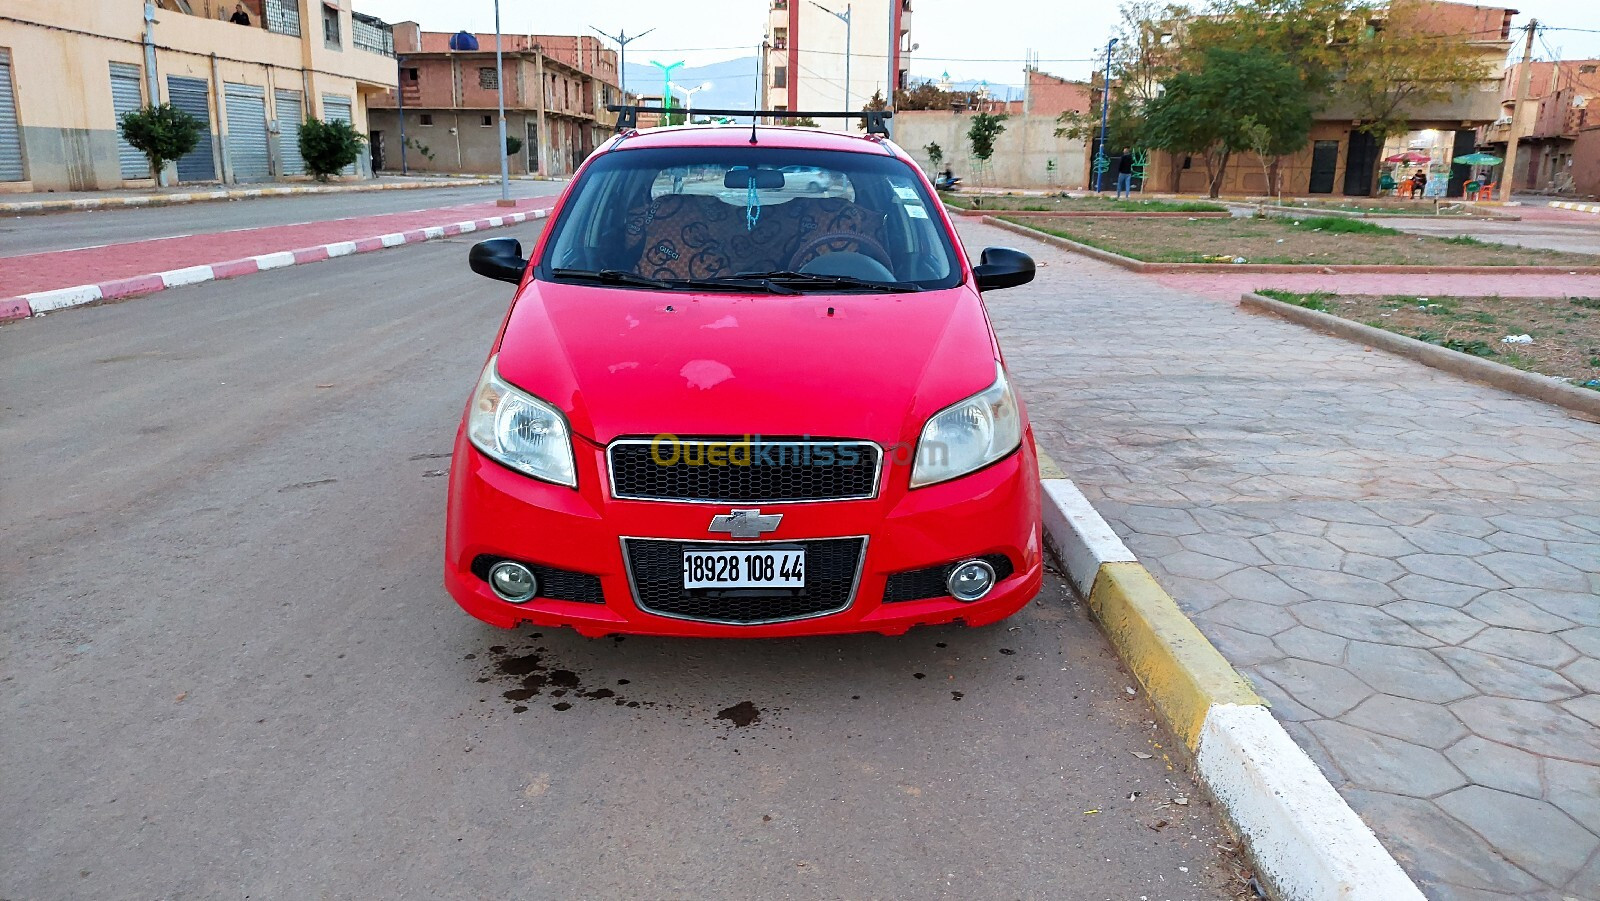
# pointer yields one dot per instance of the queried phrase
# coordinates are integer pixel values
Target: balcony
(371, 34)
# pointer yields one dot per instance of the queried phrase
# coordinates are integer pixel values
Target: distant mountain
(733, 82)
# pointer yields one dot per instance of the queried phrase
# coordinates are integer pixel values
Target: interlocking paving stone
(1497, 766)
(1423, 523)
(1429, 725)
(1385, 763)
(1535, 835)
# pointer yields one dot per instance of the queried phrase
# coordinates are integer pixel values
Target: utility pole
(623, 41)
(544, 137)
(500, 90)
(400, 91)
(1102, 160)
(845, 18)
(1524, 79)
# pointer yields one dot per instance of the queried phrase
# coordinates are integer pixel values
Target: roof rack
(628, 115)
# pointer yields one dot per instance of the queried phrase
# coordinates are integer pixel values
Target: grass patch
(1563, 347)
(1311, 300)
(1275, 240)
(1339, 225)
(1465, 241)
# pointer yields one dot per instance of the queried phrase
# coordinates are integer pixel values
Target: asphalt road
(93, 228)
(1573, 237)
(230, 669)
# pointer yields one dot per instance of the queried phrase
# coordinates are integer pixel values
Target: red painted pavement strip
(68, 268)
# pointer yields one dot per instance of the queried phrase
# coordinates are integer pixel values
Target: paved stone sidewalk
(1405, 563)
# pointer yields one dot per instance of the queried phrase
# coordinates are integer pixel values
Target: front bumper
(496, 512)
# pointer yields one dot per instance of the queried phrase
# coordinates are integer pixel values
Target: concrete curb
(1577, 207)
(40, 302)
(1307, 212)
(1089, 214)
(1527, 384)
(1134, 265)
(1306, 842)
(26, 207)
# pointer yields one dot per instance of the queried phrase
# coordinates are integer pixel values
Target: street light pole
(845, 18)
(688, 100)
(500, 89)
(400, 90)
(666, 85)
(1105, 113)
(623, 41)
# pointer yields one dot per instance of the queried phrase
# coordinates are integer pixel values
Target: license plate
(744, 568)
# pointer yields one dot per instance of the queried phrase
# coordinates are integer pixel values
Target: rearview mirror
(739, 178)
(1002, 267)
(498, 258)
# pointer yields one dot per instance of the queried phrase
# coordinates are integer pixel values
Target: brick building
(557, 88)
(1565, 95)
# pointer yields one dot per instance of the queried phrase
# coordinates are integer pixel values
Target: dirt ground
(1387, 206)
(1225, 241)
(1565, 331)
(1026, 204)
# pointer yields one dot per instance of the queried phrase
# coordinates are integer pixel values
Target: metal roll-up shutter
(126, 97)
(337, 109)
(290, 114)
(10, 134)
(247, 131)
(193, 96)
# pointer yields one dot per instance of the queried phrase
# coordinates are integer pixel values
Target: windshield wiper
(615, 277)
(724, 282)
(832, 281)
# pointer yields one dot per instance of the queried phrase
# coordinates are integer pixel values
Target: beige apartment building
(557, 88)
(804, 54)
(70, 68)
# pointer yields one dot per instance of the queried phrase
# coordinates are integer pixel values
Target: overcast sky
(970, 45)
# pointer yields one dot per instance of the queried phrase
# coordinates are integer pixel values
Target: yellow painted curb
(1048, 469)
(1180, 670)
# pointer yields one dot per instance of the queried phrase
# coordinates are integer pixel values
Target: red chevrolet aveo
(730, 400)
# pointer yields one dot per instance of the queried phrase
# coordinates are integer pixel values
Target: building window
(330, 29)
(780, 76)
(488, 77)
(780, 39)
(486, 121)
(427, 118)
(1586, 70)
(411, 75)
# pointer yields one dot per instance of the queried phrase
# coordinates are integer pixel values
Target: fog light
(513, 582)
(970, 581)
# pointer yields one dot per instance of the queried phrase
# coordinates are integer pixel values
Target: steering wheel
(839, 241)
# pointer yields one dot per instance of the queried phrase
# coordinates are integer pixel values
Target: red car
(727, 404)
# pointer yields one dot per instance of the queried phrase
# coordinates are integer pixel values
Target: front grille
(656, 569)
(758, 471)
(554, 584)
(929, 582)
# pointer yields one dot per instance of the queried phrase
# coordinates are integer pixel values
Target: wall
(458, 141)
(63, 92)
(1022, 152)
(1586, 162)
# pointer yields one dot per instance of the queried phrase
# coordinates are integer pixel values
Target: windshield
(795, 219)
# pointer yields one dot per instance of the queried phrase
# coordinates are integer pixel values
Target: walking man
(1125, 174)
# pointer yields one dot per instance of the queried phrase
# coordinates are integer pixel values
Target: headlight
(969, 435)
(520, 430)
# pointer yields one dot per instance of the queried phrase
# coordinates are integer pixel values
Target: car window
(699, 213)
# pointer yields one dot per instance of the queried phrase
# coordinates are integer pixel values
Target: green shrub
(513, 145)
(328, 147)
(162, 133)
(1340, 225)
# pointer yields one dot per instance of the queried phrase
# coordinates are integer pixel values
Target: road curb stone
(1306, 842)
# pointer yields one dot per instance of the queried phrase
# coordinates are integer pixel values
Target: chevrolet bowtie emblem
(745, 523)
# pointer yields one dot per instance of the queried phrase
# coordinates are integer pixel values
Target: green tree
(162, 133)
(1392, 70)
(1234, 102)
(935, 154)
(328, 147)
(927, 95)
(985, 128)
(874, 104)
(513, 145)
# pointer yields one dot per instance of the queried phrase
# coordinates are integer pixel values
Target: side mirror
(1002, 267)
(501, 258)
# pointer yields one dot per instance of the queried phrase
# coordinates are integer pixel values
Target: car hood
(633, 362)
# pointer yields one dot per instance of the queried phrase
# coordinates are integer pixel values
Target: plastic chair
(1485, 193)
